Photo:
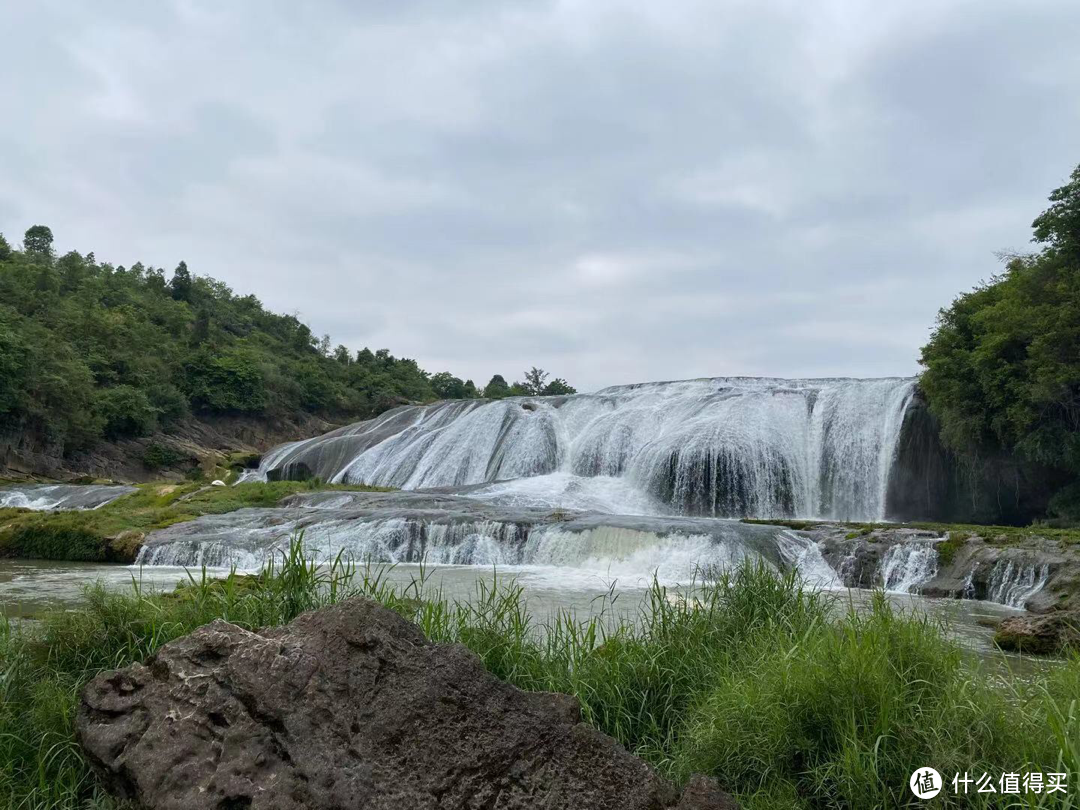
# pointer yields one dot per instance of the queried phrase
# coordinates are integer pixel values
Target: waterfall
(1012, 582)
(722, 447)
(906, 566)
(805, 556)
(55, 497)
(631, 550)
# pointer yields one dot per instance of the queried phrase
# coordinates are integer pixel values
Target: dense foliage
(1003, 365)
(788, 699)
(536, 384)
(89, 351)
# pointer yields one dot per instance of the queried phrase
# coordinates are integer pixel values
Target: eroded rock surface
(1043, 635)
(351, 707)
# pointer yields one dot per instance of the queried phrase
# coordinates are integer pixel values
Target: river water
(29, 587)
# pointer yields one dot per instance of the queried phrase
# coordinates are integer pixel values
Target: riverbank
(115, 532)
(752, 679)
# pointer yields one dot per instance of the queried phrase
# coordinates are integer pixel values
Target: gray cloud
(615, 191)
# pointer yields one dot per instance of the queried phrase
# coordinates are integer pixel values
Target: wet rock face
(351, 707)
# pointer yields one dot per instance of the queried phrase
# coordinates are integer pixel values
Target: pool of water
(29, 587)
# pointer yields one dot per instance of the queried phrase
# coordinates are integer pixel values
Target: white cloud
(616, 191)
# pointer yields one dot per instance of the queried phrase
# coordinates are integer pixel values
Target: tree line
(1002, 367)
(92, 351)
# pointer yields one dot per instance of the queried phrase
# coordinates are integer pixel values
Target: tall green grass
(751, 678)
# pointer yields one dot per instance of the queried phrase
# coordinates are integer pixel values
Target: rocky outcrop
(193, 443)
(929, 482)
(1044, 635)
(1019, 569)
(351, 707)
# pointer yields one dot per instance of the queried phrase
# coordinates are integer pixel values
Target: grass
(114, 532)
(751, 678)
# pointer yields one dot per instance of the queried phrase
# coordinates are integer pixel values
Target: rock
(124, 547)
(217, 482)
(351, 707)
(1043, 635)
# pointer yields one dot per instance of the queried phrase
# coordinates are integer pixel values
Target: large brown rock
(1044, 634)
(351, 707)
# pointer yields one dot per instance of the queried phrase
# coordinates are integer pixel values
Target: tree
(127, 411)
(1002, 367)
(496, 387)
(226, 383)
(38, 240)
(89, 351)
(558, 387)
(535, 379)
(181, 284)
(1058, 227)
(447, 386)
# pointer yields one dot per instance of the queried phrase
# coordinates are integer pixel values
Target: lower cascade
(1012, 583)
(56, 497)
(414, 528)
(906, 566)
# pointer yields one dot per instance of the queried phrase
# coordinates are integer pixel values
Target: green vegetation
(947, 548)
(113, 533)
(92, 351)
(788, 701)
(536, 385)
(1003, 365)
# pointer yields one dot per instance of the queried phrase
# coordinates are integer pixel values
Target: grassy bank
(749, 679)
(114, 532)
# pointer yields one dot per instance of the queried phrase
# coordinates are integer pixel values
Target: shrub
(158, 456)
(126, 410)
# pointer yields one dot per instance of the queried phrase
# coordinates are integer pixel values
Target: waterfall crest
(719, 447)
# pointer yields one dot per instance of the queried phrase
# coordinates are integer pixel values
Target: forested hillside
(1003, 366)
(90, 351)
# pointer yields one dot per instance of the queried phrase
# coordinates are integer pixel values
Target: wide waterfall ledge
(722, 447)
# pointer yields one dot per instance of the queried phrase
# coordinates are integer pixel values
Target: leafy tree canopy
(92, 351)
(1002, 368)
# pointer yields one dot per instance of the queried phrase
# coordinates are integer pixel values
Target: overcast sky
(614, 191)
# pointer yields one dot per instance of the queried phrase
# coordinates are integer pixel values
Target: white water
(571, 552)
(607, 477)
(50, 497)
(729, 447)
(906, 566)
(1013, 583)
(805, 556)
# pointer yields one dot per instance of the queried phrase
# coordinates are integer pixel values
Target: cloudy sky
(615, 191)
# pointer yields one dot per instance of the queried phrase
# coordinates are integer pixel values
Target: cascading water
(405, 528)
(57, 497)
(627, 483)
(1013, 582)
(906, 566)
(724, 447)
